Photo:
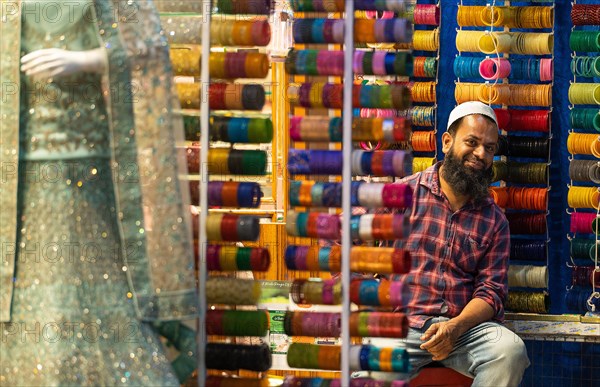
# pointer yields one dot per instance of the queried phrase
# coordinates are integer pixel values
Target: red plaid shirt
(456, 256)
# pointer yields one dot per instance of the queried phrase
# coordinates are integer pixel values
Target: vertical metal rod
(346, 181)
(204, 122)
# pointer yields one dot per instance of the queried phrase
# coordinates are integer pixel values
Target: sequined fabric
(73, 320)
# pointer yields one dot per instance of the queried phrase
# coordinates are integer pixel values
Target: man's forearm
(474, 313)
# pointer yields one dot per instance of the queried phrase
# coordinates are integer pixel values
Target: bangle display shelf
(505, 56)
(424, 82)
(329, 172)
(583, 145)
(217, 51)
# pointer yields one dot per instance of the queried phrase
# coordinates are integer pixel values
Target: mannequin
(94, 228)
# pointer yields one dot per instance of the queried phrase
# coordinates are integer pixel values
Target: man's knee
(512, 350)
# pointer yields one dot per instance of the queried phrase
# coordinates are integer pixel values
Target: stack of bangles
(241, 129)
(583, 197)
(523, 120)
(521, 173)
(237, 322)
(528, 276)
(370, 195)
(329, 129)
(222, 96)
(329, 95)
(362, 324)
(580, 300)
(324, 62)
(184, 29)
(295, 381)
(583, 143)
(228, 161)
(236, 7)
(339, 5)
(233, 258)
(585, 14)
(584, 93)
(232, 291)
(371, 292)
(362, 357)
(584, 41)
(424, 67)
(528, 250)
(536, 302)
(584, 248)
(223, 356)
(585, 275)
(331, 31)
(521, 198)
(383, 260)
(229, 194)
(527, 223)
(231, 227)
(423, 141)
(363, 227)
(324, 162)
(587, 119)
(316, 291)
(585, 170)
(223, 381)
(222, 65)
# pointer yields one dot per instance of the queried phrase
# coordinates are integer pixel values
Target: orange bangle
(256, 65)
(229, 192)
(383, 293)
(304, 195)
(312, 258)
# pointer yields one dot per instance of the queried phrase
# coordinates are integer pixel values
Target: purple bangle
(401, 226)
(379, 29)
(237, 64)
(357, 63)
(338, 31)
(300, 257)
(388, 163)
(304, 94)
(328, 90)
(398, 163)
(327, 293)
(402, 30)
(295, 128)
(379, 63)
(328, 226)
(214, 193)
(212, 257)
(397, 289)
(328, 30)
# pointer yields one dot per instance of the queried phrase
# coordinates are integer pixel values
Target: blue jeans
(490, 353)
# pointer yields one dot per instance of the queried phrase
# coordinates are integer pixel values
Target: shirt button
(444, 308)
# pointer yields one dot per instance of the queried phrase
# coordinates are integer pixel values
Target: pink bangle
(295, 128)
(546, 65)
(379, 63)
(357, 63)
(494, 68)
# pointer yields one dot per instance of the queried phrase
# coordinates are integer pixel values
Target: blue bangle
(249, 194)
(354, 192)
(364, 357)
(332, 195)
(354, 227)
(374, 355)
(301, 222)
(294, 192)
(324, 254)
(317, 31)
(388, 29)
(365, 162)
(389, 63)
(316, 195)
(290, 257)
(335, 129)
(400, 362)
(368, 292)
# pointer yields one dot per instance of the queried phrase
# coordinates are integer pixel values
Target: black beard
(465, 180)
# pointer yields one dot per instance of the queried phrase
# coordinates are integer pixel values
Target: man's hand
(56, 62)
(440, 338)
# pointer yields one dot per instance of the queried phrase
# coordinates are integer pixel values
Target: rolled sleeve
(491, 283)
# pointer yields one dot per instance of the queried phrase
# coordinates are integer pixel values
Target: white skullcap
(468, 108)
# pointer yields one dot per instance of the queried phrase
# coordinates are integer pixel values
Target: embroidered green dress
(75, 314)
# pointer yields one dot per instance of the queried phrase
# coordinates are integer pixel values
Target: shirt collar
(430, 178)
